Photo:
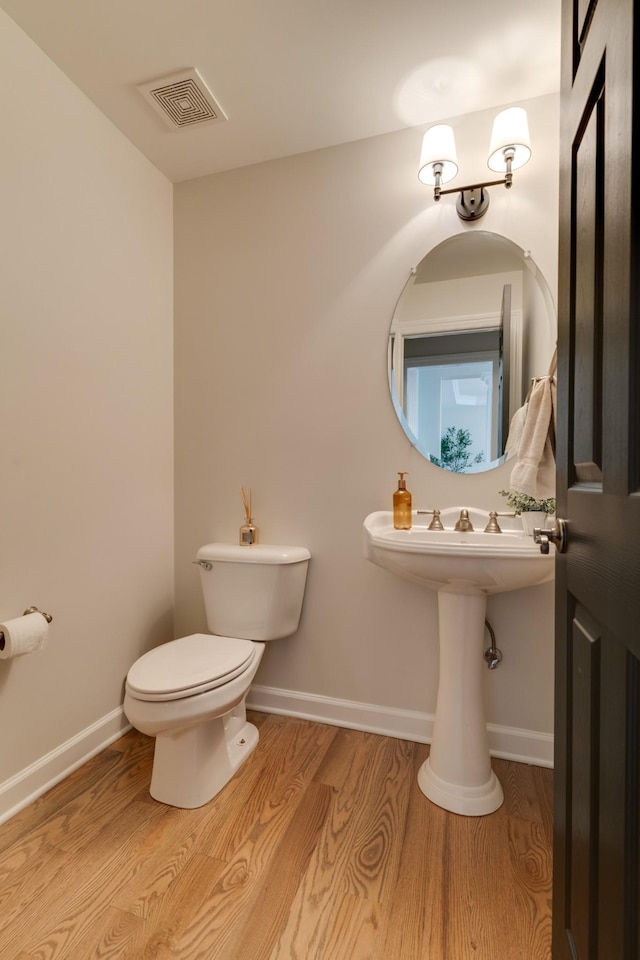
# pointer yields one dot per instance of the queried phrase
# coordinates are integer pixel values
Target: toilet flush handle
(204, 564)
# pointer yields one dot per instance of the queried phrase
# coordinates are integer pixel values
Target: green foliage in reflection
(454, 451)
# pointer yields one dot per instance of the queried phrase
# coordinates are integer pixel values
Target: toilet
(190, 693)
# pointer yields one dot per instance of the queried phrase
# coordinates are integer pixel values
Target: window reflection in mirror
(474, 323)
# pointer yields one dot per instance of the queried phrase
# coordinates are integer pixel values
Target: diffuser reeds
(245, 493)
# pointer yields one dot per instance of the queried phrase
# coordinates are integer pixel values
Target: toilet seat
(189, 665)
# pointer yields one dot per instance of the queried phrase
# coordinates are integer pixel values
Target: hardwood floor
(322, 847)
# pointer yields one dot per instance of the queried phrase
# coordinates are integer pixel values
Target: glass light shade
(510, 129)
(438, 146)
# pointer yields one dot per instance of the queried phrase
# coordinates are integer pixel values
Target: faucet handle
(436, 523)
(493, 526)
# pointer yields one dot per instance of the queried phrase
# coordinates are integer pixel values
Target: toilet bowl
(190, 693)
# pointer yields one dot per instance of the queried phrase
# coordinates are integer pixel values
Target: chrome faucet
(463, 525)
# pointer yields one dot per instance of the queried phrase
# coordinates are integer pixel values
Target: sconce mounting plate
(472, 203)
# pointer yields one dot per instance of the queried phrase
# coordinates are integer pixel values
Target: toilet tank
(254, 592)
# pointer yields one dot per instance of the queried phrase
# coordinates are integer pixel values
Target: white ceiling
(296, 75)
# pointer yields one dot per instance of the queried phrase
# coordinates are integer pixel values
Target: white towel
(535, 470)
(515, 431)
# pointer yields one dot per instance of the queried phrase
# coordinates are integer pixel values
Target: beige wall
(86, 485)
(287, 277)
(287, 274)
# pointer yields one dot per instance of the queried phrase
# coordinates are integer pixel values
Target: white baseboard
(509, 743)
(29, 784)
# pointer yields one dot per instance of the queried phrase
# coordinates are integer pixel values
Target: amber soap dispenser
(402, 504)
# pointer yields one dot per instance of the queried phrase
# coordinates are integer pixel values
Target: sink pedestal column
(458, 775)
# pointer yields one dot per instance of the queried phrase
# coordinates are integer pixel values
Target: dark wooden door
(597, 822)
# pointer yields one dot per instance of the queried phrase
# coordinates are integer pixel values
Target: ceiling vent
(182, 100)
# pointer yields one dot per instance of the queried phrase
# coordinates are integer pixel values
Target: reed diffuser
(248, 530)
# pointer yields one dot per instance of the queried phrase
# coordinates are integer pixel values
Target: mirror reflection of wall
(473, 325)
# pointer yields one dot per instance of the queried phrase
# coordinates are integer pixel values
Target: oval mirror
(473, 325)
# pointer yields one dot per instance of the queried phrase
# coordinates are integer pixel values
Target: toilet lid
(189, 665)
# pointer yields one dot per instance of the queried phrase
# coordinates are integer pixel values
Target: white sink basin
(474, 562)
(464, 568)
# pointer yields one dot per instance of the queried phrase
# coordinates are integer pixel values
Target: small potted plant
(534, 512)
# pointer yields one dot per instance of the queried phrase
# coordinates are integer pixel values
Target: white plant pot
(533, 518)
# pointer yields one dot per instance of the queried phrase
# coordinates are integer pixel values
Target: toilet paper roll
(23, 635)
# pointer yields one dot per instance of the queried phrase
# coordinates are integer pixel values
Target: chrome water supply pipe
(492, 655)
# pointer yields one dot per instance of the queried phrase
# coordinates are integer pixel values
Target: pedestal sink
(464, 568)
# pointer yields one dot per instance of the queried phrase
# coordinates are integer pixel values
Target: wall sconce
(509, 150)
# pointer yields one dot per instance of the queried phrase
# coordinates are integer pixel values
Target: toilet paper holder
(29, 610)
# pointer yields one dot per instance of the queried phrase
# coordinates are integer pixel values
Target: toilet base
(193, 765)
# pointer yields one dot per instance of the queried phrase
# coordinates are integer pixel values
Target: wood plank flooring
(322, 847)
